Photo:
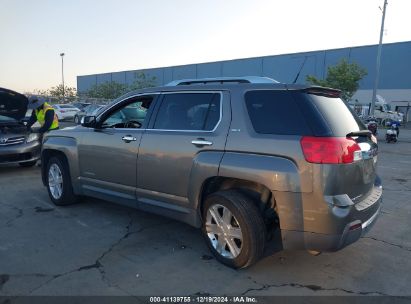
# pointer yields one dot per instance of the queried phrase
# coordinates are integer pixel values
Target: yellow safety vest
(41, 114)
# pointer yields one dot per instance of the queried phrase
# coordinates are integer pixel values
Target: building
(395, 74)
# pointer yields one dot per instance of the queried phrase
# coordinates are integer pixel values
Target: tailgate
(336, 119)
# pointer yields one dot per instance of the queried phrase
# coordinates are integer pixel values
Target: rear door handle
(201, 142)
(128, 138)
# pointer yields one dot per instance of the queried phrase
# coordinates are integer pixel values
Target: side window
(275, 112)
(189, 111)
(132, 114)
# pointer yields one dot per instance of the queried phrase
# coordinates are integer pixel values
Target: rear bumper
(327, 242)
(359, 219)
(20, 153)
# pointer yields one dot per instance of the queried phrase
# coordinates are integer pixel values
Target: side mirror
(88, 121)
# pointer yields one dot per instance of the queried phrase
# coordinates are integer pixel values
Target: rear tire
(233, 228)
(58, 182)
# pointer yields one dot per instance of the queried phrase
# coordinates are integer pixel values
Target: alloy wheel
(55, 181)
(224, 231)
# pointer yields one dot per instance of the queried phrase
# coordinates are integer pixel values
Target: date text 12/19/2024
(204, 299)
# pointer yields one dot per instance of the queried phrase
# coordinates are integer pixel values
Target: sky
(99, 36)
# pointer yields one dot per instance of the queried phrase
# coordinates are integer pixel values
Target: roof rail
(221, 80)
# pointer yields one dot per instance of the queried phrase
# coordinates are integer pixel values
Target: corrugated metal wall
(395, 67)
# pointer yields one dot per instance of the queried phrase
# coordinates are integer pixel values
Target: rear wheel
(76, 120)
(58, 182)
(233, 228)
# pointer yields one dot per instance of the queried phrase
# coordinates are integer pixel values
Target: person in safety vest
(43, 113)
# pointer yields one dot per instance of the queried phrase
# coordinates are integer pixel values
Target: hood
(13, 104)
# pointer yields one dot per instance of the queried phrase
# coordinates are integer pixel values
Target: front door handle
(201, 142)
(128, 138)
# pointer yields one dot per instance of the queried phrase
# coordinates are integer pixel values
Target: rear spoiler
(364, 133)
(320, 91)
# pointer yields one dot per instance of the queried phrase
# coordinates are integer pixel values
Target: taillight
(330, 150)
(63, 111)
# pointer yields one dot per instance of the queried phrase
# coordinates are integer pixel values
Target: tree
(107, 90)
(343, 76)
(112, 89)
(57, 91)
(142, 81)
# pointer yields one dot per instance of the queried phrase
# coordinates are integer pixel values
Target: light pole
(62, 72)
(377, 72)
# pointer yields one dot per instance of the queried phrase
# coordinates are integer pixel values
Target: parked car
(243, 159)
(89, 110)
(17, 145)
(80, 105)
(65, 111)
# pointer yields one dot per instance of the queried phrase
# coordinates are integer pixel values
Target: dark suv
(239, 158)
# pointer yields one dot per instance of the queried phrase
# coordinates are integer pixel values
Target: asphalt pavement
(100, 248)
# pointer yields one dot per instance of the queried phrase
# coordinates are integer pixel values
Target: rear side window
(188, 111)
(275, 112)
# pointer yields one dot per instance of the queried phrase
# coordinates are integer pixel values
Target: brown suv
(239, 158)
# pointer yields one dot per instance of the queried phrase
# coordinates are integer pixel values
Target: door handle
(201, 142)
(128, 138)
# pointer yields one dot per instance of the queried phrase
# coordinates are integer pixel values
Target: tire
(58, 174)
(28, 164)
(247, 221)
(76, 120)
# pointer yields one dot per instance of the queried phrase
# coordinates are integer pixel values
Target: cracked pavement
(100, 248)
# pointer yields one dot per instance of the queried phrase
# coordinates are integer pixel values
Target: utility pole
(62, 72)
(377, 72)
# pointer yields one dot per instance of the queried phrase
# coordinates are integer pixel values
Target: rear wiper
(365, 133)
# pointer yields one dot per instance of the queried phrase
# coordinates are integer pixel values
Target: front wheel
(233, 228)
(58, 181)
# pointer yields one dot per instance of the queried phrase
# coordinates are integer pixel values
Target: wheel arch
(46, 155)
(258, 192)
(65, 147)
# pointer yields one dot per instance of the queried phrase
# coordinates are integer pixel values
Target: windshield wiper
(365, 133)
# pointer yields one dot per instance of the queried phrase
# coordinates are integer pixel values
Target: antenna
(301, 68)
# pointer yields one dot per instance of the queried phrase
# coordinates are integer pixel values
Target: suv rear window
(275, 112)
(339, 117)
